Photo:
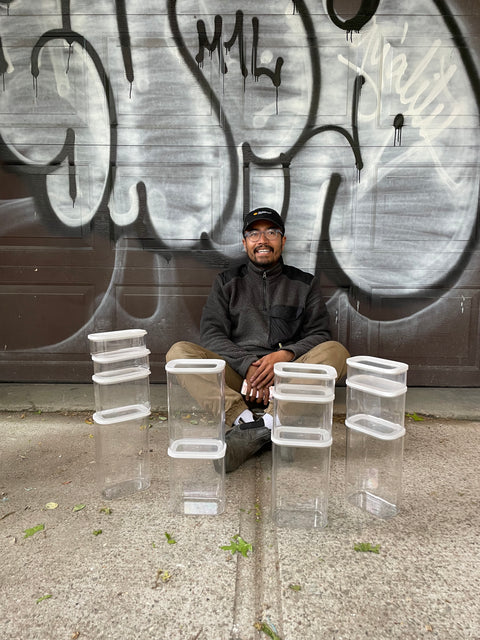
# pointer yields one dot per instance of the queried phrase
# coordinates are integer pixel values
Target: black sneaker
(243, 441)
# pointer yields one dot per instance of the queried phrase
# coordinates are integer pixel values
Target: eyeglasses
(255, 234)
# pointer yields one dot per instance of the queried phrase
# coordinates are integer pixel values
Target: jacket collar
(270, 272)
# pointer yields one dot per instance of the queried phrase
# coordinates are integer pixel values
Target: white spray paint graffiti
(182, 117)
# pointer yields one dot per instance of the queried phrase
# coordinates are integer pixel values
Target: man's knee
(179, 350)
(332, 353)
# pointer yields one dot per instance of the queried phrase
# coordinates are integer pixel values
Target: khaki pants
(331, 353)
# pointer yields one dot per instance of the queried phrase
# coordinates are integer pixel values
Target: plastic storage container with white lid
(300, 481)
(114, 340)
(304, 373)
(373, 468)
(196, 401)
(377, 367)
(302, 413)
(385, 401)
(121, 387)
(122, 452)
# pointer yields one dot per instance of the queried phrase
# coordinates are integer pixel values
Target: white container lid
(378, 365)
(121, 414)
(128, 374)
(303, 393)
(302, 442)
(107, 357)
(124, 334)
(195, 365)
(197, 448)
(377, 386)
(305, 370)
(375, 427)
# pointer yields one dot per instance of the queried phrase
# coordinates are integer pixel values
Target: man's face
(264, 252)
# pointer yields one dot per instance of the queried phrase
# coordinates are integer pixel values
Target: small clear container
(197, 477)
(318, 375)
(122, 358)
(115, 340)
(122, 387)
(300, 480)
(122, 452)
(368, 367)
(374, 459)
(377, 397)
(196, 402)
(302, 413)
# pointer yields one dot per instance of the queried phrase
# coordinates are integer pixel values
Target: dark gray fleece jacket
(252, 311)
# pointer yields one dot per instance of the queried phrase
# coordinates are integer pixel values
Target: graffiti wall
(134, 137)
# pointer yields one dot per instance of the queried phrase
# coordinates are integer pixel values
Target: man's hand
(260, 375)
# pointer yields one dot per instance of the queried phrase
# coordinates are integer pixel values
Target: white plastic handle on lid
(378, 365)
(121, 414)
(195, 365)
(377, 386)
(303, 393)
(120, 355)
(304, 370)
(121, 375)
(297, 442)
(375, 427)
(197, 449)
(123, 334)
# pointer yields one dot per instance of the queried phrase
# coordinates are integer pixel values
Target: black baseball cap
(263, 213)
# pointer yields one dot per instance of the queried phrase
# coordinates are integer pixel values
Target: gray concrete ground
(65, 582)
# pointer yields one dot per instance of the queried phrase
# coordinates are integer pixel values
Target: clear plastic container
(302, 413)
(374, 460)
(115, 340)
(121, 387)
(122, 452)
(197, 477)
(196, 402)
(318, 375)
(300, 479)
(371, 367)
(377, 397)
(131, 357)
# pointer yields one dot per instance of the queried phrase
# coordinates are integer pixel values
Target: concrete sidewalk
(456, 403)
(129, 582)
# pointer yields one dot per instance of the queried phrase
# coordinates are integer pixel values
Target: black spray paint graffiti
(195, 63)
(398, 123)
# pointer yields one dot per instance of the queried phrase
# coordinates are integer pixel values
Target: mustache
(262, 247)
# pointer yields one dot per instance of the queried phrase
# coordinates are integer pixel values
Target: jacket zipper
(264, 276)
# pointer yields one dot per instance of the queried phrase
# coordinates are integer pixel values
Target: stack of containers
(196, 424)
(376, 390)
(122, 407)
(303, 397)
